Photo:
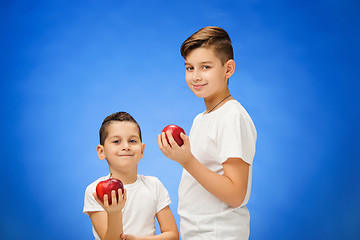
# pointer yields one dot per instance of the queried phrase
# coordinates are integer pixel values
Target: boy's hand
(172, 150)
(128, 237)
(116, 205)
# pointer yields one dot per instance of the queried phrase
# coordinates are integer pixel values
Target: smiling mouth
(199, 86)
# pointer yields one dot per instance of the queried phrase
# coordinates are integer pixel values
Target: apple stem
(110, 175)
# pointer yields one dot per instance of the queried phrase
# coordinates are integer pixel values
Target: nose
(125, 145)
(196, 76)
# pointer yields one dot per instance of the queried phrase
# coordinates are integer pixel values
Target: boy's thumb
(184, 137)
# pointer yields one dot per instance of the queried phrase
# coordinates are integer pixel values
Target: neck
(126, 178)
(216, 102)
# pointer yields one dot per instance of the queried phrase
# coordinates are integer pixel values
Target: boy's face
(122, 147)
(205, 75)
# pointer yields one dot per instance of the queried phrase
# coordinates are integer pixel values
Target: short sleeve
(236, 138)
(90, 204)
(163, 198)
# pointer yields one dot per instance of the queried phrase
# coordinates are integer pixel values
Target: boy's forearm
(115, 226)
(163, 236)
(221, 186)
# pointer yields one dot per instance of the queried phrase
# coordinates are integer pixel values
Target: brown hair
(119, 116)
(210, 37)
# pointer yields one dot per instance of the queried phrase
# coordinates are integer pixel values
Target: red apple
(106, 186)
(175, 131)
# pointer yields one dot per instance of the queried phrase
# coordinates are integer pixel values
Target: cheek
(138, 150)
(188, 79)
(215, 77)
(111, 150)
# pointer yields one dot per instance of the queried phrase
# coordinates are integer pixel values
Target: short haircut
(119, 116)
(210, 37)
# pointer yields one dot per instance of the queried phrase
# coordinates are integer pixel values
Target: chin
(199, 94)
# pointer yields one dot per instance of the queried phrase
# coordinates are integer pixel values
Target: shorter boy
(144, 198)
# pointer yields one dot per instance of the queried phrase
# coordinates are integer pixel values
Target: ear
(142, 149)
(100, 152)
(230, 68)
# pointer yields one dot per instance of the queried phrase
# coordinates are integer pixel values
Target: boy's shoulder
(232, 107)
(149, 179)
(232, 111)
(151, 182)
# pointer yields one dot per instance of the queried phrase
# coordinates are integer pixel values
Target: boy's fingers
(121, 194)
(113, 197)
(125, 194)
(98, 199)
(159, 141)
(164, 140)
(123, 236)
(106, 200)
(184, 137)
(163, 144)
(171, 139)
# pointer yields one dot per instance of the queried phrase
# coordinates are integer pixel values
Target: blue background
(66, 65)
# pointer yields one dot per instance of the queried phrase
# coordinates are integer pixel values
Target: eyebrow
(131, 136)
(205, 62)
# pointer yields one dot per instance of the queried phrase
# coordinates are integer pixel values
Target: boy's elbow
(236, 201)
(174, 236)
(235, 204)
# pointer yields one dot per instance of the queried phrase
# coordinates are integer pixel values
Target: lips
(198, 86)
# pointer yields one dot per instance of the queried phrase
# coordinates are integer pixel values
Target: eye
(133, 141)
(206, 67)
(189, 68)
(116, 141)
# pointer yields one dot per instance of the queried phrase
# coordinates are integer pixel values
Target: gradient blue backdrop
(65, 65)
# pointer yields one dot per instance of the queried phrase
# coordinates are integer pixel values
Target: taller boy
(216, 180)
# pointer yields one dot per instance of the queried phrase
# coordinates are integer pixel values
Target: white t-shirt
(225, 133)
(146, 197)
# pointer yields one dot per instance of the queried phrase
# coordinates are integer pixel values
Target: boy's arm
(108, 225)
(230, 187)
(167, 224)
